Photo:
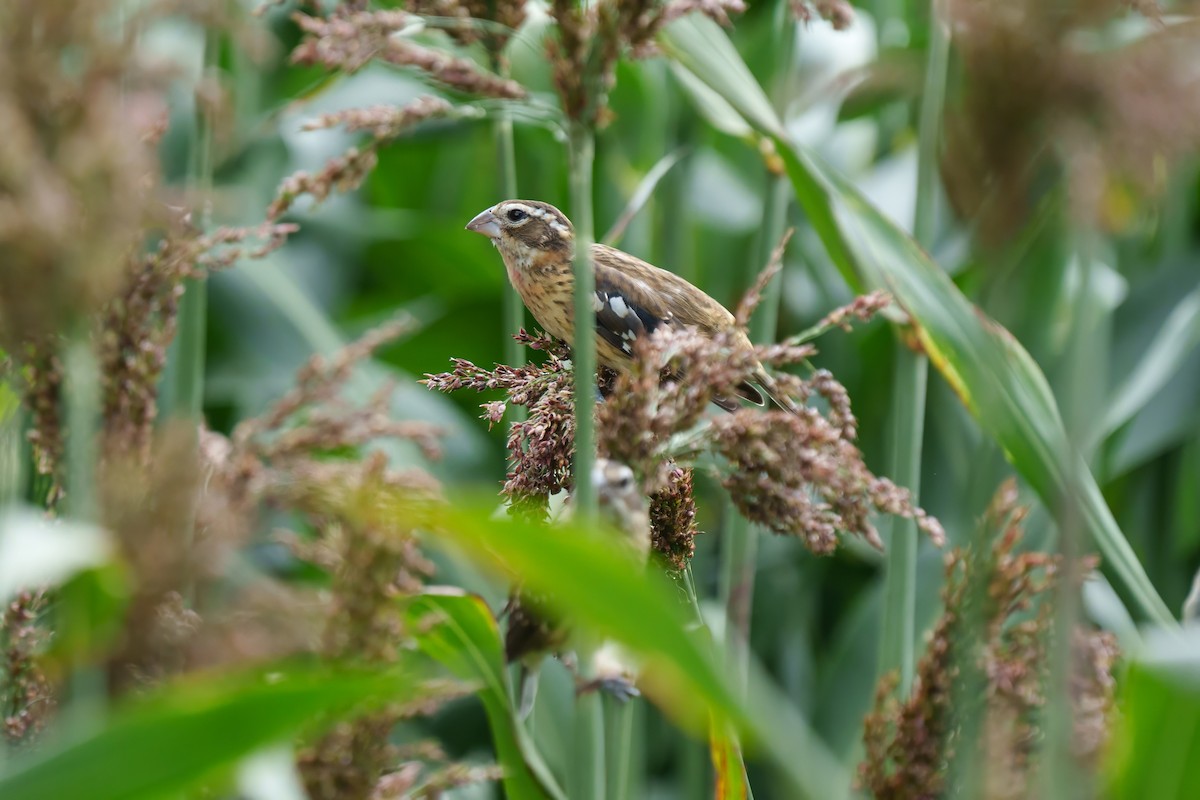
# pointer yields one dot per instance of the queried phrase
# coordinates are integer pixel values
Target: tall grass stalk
(187, 395)
(187, 392)
(907, 418)
(82, 414)
(620, 718)
(588, 768)
(506, 160)
(1061, 775)
(583, 353)
(12, 459)
(740, 548)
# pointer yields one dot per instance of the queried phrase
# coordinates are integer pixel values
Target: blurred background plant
(233, 243)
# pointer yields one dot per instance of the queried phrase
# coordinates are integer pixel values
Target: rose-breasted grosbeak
(534, 631)
(632, 298)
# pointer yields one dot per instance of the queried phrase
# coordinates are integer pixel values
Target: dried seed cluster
(998, 625)
(798, 474)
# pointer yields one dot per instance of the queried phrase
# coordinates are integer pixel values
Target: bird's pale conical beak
(485, 223)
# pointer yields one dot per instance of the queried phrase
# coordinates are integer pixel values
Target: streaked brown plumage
(632, 299)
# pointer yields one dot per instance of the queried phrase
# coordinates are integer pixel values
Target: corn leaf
(603, 589)
(1155, 750)
(185, 733)
(994, 376)
(457, 629)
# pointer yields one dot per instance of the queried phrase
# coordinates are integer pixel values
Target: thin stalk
(740, 541)
(587, 778)
(907, 418)
(907, 424)
(1061, 775)
(588, 768)
(619, 719)
(12, 461)
(82, 407)
(186, 394)
(583, 351)
(83, 419)
(506, 158)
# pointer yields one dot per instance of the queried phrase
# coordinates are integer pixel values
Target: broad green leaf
(711, 105)
(457, 629)
(1175, 340)
(993, 375)
(1155, 750)
(605, 590)
(728, 768)
(184, 733)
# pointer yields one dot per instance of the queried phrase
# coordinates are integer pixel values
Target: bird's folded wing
(625, 309)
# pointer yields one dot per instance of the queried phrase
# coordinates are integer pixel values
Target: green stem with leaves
(907, 418)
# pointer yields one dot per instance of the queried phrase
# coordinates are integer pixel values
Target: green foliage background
(1117, 347)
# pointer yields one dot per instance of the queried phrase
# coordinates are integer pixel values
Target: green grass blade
(641, 195)
(601, 588)
(994, 376)
(729, 770)
(170, 742)
(1155, 751)
(1174, 342)
(463, 637)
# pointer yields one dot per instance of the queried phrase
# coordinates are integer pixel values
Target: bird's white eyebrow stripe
(542, 214)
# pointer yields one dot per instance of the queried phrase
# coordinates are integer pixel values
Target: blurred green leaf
(992, 374)
(603, 588)
(1175, 340)
(641, 196)
(711, 105)
(728, 768)
(1156, 745)
(174, 739)
(457, 629)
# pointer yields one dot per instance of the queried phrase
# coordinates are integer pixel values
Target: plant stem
(82, 378)
(583, 353)
(588, 770)
(82, 401)
(12, 462)
(1062, 775)
(187, 396)
(620, 718)
(740, 556)
(587, 767)
(907, 418)
(506, 158)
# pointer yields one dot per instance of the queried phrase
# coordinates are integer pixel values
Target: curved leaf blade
(457, 629)
(165, 744)
(995, 377)
(604, 589)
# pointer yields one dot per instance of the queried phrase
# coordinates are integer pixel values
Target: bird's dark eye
(516, 215)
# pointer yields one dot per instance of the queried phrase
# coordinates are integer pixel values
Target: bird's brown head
(525, 229)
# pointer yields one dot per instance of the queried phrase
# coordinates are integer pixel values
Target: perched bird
(534, 631)
(632, 298)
